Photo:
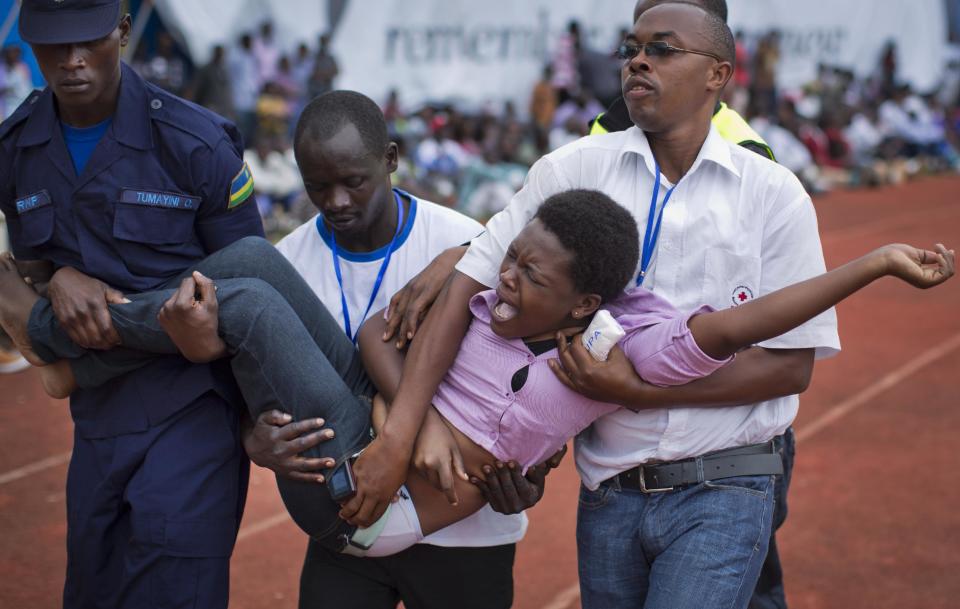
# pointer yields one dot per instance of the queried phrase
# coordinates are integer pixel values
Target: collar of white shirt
(715, 150)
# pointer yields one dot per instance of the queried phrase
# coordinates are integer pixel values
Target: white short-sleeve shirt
(737, 226)
(428, 230)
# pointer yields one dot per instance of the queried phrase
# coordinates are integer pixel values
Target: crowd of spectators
(471, 160)
(16, 82)
(839, 130)
(476, 161)
(836, 131)
(262, 89)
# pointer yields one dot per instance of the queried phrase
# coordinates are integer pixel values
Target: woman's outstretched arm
(720, 334)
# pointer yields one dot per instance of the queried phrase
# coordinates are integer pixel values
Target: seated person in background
(273, 111)
(499, 398)
(278, 180)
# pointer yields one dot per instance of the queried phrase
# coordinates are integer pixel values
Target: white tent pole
(139, 24)
(8, 22)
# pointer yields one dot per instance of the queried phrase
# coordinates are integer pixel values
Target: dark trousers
(287, 353)
(769, 593)
(423, 577)
(152, 516)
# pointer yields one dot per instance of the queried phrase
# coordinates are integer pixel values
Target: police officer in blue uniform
(122, 187)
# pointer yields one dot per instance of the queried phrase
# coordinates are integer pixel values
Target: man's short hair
(719, 36)
(330, 112)
(715, 7)
(601, 236)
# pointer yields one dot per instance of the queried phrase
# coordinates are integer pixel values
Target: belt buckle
(643, 484)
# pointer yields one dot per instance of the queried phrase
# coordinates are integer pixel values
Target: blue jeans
(699, 547)
(769, 593)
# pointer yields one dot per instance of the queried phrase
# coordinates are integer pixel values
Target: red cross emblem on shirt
(741, 294)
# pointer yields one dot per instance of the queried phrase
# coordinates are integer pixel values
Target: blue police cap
(66, 21)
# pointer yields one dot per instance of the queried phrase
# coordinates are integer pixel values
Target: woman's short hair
(601, 235)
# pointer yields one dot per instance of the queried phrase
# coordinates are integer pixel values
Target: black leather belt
(753, 460)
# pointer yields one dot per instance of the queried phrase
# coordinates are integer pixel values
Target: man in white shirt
(366, 243)
(732, 226)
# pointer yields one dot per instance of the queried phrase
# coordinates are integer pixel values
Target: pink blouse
(530, 425)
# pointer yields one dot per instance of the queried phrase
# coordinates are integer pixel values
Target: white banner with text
(492, 51)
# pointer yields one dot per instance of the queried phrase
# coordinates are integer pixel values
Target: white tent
(494, 50)
(851, 34)
(201, 24)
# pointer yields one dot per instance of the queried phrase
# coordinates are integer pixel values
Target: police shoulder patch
(241, 187)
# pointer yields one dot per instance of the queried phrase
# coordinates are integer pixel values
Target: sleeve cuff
(478, 269)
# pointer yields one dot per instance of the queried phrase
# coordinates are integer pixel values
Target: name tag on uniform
(153, 198)
(32, 202)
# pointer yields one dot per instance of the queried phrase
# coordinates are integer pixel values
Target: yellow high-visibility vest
(729, 124)
(733, 128)
(596, 128)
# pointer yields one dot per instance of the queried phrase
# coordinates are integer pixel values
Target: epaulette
(187, 117)
(20, 114)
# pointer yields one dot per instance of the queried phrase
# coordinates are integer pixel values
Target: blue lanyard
(650, 240)
(376, 284)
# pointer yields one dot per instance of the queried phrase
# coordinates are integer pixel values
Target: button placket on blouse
(510, 396)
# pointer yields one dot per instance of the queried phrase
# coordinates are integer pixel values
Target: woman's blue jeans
(287, 353)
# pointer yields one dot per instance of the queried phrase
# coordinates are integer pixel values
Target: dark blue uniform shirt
(152, 199)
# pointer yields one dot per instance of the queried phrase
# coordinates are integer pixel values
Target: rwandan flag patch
(241, 187)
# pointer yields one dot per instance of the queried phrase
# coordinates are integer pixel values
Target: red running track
(872, 519)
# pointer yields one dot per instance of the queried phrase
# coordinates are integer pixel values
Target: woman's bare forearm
(382, 360)
(720, 334)
(431, 354)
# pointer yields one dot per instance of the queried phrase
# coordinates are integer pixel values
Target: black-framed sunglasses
(655, 49)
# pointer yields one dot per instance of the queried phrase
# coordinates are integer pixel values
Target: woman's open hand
(437, 456)
(920, 268)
